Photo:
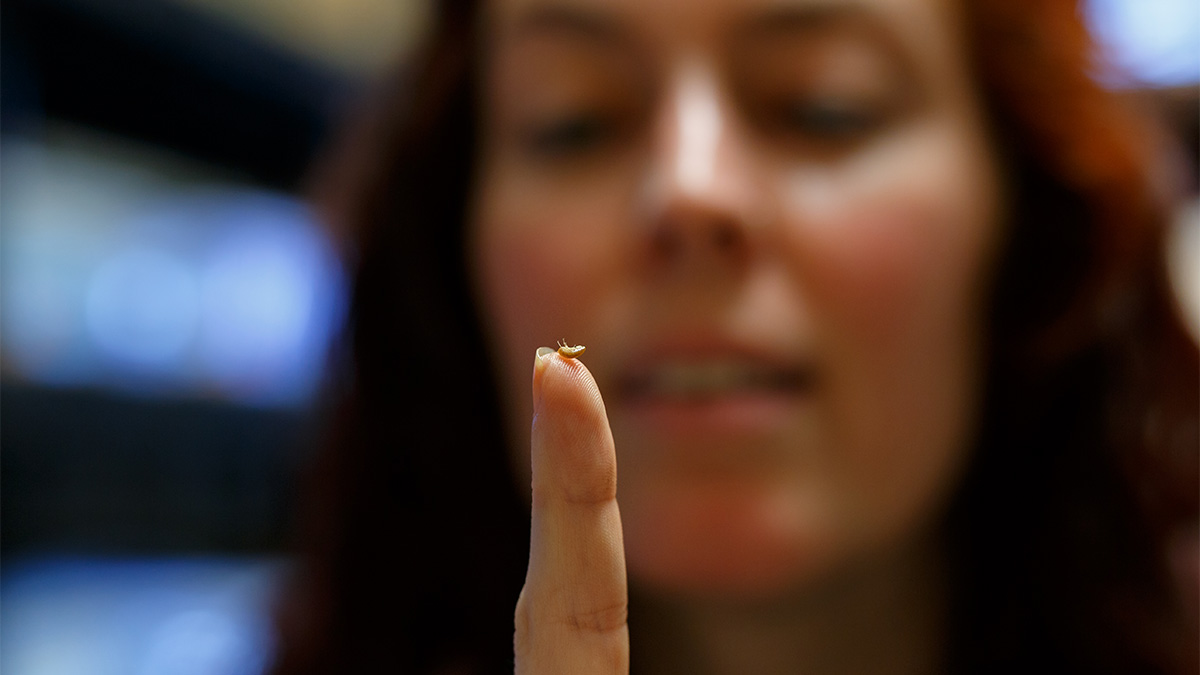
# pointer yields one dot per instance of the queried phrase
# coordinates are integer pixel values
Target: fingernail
(540, 361)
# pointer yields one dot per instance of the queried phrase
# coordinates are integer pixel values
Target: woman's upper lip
(692, 365)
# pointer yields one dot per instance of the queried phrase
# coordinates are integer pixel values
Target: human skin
(772, 224)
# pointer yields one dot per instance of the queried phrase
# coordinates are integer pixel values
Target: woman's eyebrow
(825, 17)
(805, 17)
(567, 21)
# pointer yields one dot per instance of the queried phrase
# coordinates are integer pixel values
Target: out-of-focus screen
(169, 305)
(134, 272)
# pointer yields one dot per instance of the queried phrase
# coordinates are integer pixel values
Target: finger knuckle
(602, 620)
(594, 485)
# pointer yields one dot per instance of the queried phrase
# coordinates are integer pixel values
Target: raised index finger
(571, 614)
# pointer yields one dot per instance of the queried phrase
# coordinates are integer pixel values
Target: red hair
(1038, 63)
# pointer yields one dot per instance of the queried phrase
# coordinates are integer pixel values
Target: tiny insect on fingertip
(570, 352)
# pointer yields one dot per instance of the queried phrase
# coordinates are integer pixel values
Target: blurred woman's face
(771, 223)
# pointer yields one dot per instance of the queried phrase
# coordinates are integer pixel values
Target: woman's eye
(830, 121)
(568, 135)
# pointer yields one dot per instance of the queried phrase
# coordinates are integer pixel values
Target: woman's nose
(699, 196)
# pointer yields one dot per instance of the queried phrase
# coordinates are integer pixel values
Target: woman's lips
(697, 381)
(717, 393)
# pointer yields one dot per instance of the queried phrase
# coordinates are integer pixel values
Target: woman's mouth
(715, 395)
(699, 381)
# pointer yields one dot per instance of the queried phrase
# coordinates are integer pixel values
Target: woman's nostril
(725, 237)
(682, 237)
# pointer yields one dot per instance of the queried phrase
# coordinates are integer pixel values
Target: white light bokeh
(1150, 42)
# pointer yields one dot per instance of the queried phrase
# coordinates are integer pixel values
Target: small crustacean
(570, 352)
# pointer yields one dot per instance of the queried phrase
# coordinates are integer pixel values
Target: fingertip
(578, 375)
(568, 382)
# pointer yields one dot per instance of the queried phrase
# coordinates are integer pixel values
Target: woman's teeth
(714, 378)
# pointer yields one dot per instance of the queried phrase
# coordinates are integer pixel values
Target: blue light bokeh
(142, 307)
(138, 616)
(115, 277)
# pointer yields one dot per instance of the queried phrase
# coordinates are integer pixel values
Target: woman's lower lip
(726, 415)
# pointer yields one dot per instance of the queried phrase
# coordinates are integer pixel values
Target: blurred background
(168, 301)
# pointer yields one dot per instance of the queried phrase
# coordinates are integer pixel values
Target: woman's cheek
(890, 255)
(892, 242)
(530, 284)
(867, 268)
(542, 266)
(891, 275)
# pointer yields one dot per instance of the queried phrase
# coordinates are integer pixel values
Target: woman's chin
(723, 541)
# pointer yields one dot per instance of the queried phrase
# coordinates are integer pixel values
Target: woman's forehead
(925, 36)
(924, 29)
(707, 19)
